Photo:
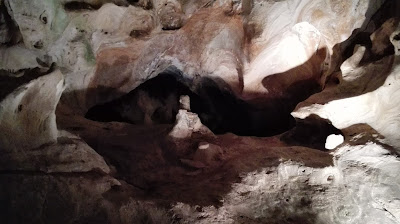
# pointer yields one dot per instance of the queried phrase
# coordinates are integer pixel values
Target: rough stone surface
(188, 123)
(69, 155)
(338, 194)
(27, 117)
(207, 153)
(333, 64)
(55, 198)
(332, 141)
(371, 107)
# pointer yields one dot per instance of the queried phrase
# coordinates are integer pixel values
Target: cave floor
(149, 163)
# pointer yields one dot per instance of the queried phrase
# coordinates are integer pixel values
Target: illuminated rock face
(375, 107)
(332, 141)
(26, 123)
(247, 66)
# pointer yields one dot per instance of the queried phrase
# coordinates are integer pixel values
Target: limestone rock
(29, 137)
(146, 4)
(291, 59)
(68, 155)
(169, 13)
(27, 116)
(343, 193)
(188, 123)
(359, 109)
(381, 37)
(107, 29)
(137, 22)
(349, 67)
(184, 103)
(273, 54)
(10, 58)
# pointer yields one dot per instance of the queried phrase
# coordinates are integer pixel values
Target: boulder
(186, 124)
(207, 153)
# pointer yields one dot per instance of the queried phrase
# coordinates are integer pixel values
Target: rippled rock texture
(199, 111)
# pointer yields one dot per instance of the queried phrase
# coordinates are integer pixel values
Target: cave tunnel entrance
(156, 101)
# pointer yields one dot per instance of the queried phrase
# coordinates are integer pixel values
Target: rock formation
(199, 111)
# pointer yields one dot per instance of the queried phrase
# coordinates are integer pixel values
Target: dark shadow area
(156, 101)
(286, 90)
(9, 27)
(226, 113)
(80, 6)
(95, 5)
(145, 4)
(310, 132)
(8, 83)
(150, 162)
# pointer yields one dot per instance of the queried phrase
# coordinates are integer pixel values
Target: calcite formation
(86, 138)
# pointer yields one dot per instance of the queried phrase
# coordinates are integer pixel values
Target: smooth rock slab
(68, 155)
(27, 116)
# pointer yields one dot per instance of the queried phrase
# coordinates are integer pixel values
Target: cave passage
(156, 101)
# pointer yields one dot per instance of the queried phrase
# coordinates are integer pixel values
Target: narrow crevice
(9, 83)
(79, 6)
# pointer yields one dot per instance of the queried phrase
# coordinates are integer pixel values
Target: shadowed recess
(76, 6)
(156, 101)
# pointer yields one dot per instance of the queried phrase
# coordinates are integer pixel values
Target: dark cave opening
(156, 101)
(77, 6)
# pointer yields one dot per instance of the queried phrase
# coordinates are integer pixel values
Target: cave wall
(229, 45)
(333, 60)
